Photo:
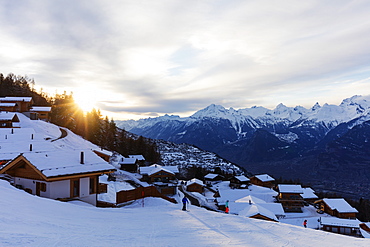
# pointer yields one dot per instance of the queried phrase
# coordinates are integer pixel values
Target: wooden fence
(140, 192)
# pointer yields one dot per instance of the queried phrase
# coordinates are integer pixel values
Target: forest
(92, 126)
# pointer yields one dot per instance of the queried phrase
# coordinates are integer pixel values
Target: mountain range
(326, 146)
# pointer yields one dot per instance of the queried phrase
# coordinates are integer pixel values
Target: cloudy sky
(138, 58)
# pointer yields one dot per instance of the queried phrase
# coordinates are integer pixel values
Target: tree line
(91, 125)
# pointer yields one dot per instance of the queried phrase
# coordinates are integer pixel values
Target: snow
(242, 178)
(25, 99)
(308, 193)
(340, 205)
(148, 222)
(194, 181)
(265, 177)
(41, 108)
(7, 116)
(211, 176)
(290, 188)
(148, 170)
(128, 161)
(59, 163)
(332, 221)
(352, 108)
(255, 209)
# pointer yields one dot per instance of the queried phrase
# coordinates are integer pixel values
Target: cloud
(156, 57)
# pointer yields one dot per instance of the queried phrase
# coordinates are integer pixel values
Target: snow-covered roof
(146, 170)
(8, 116)
(61, 163)
(290, 188)
(127, 161)
(211, 176)
(255, 209)
(158, 169)
(195, 181)
(242, 178)
(25, 99)
(7, 104)
(103, 151)
(333, 221)
(340, 205)
(137, 156)
(250, 198)
(41, 108)
(309, 193)
(265, 177)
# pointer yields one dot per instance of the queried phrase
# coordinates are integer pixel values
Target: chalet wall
(29, 185)
(60, 189)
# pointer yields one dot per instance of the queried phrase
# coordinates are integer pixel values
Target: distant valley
(325, 146)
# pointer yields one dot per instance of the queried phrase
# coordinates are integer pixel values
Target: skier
(305, 223)
(227, 207)
(227, 210)
(184, 201)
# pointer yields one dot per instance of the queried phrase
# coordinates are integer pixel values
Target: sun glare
(85, 100)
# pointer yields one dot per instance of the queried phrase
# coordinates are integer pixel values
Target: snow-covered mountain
(264, 140)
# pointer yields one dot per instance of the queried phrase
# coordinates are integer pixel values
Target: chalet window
(75, 188)
(92, 185)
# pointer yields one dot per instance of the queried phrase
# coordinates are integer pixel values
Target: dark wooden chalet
(337, 207)
(212, 178)
(7, 119)
(10, 107)
(23, 104)
(239, 182)
(195, 185)
(341, 226)
(263, 180)
(129, 164)
(290, 197)
(42, 112)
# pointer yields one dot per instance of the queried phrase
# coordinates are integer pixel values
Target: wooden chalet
(163, 177)
(42, 112)
(256, 211)
(212, 178)
(195, 185)
(341, 226)
(8, 107)
(239, 182)
(309, 195)
(129, 164)
(290, 197)
(23, 104)
(263, 180)
(63, 175)
(140, 158)
(337, 207)
(7, 120)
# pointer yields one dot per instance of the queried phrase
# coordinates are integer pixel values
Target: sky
(139, 59)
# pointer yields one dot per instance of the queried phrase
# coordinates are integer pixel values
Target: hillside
(45, 222)
(326, 146)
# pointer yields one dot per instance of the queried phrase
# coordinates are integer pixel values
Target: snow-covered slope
(45, 222)
(41, 135)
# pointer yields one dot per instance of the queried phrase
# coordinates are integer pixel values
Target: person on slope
(305, 223)
(184, 201)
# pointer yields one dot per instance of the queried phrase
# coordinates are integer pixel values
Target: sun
(85, 99)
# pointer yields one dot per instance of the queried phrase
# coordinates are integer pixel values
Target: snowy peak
(212, 111)
(316, 107)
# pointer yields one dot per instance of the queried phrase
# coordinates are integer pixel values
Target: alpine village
(51, 149)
